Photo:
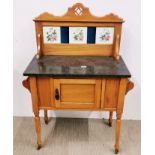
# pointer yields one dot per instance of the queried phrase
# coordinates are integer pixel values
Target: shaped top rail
(78, 12)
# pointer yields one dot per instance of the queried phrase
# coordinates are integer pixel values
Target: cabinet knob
(57, 96)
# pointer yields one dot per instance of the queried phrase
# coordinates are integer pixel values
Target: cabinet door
(77, 93)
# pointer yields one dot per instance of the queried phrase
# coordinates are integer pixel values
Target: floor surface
(69, 136)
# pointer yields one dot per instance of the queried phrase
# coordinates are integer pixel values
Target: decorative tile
(104, 35)
(78, 35)
(51, 35)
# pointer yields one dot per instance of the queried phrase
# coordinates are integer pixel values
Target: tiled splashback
(78, 35)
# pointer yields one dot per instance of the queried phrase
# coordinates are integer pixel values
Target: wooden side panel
(111, 93)
(122, 91)
(45, 92)
(77, 94)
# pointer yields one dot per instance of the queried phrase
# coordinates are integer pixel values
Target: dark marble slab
(77, 66)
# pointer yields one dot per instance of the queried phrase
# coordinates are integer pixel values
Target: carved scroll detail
(26, 84)
(130, 86)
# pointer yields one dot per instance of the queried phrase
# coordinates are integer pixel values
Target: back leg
(110, 118)
(45, 116)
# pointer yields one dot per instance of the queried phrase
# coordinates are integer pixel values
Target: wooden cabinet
(91, 94)
(100, 85)
(77, 93)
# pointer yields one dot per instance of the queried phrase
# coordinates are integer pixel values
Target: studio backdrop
(25, 48)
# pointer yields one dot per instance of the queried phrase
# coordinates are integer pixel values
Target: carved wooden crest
(79, 12)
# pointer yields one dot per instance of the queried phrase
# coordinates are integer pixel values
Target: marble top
(77, 66)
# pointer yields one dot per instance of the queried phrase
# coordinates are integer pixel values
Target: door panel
(77, 93)
(45, 93)
(110, 91)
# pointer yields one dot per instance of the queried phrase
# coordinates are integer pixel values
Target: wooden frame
(83, 19)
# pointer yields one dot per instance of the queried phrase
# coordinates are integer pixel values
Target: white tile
(78, 35)
(51, 34)
(104, 35)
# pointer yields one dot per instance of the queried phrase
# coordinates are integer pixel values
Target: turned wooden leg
(38, 130)
(45, 116)
(117, 138)
(110, 118)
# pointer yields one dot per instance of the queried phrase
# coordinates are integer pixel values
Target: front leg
(32, 84)
(38, 130)
(117, 138)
